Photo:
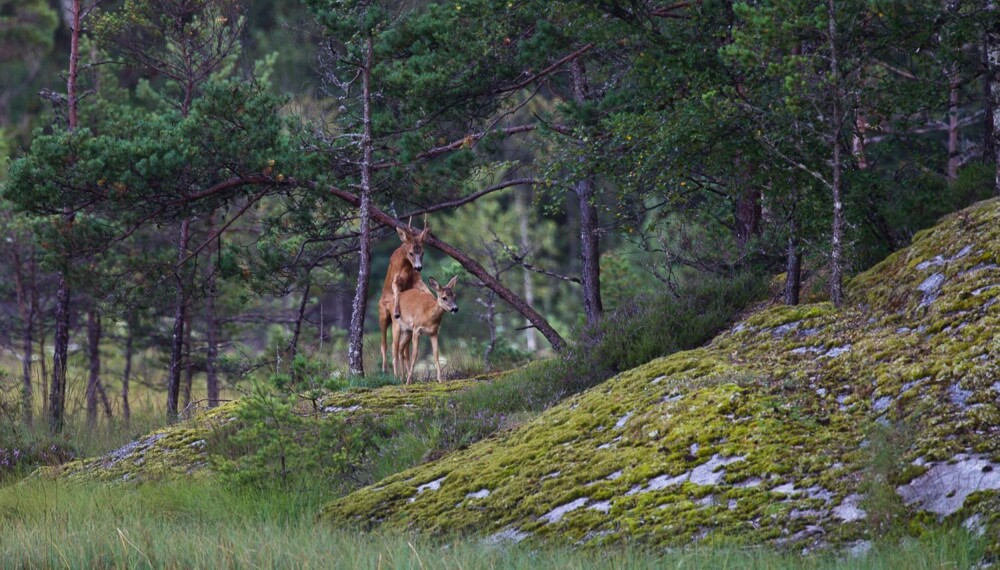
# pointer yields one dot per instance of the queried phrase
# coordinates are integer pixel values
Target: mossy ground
(768, 434)
(184, 449)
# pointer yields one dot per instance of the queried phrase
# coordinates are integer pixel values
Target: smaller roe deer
(420, 313)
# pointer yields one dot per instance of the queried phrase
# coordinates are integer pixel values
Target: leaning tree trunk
(94, 352)
(177, 344)
(470, 265)
(837, 119)
(590, 240)
(360, 305)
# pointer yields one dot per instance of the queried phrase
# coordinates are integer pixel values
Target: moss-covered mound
(802, 425)
(184, 449)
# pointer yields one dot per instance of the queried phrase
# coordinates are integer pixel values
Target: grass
(199, 524)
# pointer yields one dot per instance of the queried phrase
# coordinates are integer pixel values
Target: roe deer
(403, 274)
(421, 314)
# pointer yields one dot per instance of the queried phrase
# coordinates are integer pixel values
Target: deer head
(414, 244)
(446, 294)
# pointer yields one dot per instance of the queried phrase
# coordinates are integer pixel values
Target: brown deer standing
(421, 314)
(403, 274)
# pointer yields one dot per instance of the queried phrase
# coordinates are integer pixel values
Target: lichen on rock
(762, 436)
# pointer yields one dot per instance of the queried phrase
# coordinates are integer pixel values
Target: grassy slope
(197, 524)
(819, 413)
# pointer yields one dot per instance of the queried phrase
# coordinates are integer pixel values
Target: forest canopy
(211, 187)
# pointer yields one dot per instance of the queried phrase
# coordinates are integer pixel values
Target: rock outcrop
(804, 426)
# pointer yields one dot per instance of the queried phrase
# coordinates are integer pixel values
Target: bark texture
(355, 355)
(177, 344)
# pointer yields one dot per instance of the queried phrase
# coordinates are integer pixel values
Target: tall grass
(197, 524)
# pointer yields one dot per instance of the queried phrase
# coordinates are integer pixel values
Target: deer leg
(395, 349)
(434, 348)
(395, 298)
(413, 355)
(383, 323)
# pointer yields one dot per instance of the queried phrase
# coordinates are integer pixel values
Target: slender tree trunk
(360, 305)
(993, 81)
(793, 266)
(212, 348)
(953, 153)
(94, 352)
(491, 323)
(521, 203)
(188, 366)
(57, 399)
(991, 44)
(837, 238)
(28, 396)
(45, 372)
(299, 317)
(590, 240)
(26, 310)
(212, 329)
(177, 344)
(127, 374)
(858, 141)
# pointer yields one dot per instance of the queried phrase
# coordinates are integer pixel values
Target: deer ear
(404, 235)
(423, 235)
(434, 283)
(452, 283)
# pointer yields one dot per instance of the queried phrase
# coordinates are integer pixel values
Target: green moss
(783, 403)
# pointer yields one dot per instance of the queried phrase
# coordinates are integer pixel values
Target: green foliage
(278, 445)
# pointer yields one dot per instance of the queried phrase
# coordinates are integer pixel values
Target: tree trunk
(360, 305)
(521, 203)
(57, 399)
(44, 372)
(793, 266)
(990, 44)
(993, 81)
(212, 323)
(590, 273)
(177, 344)
(953, 153)
(748, 213)
(28, 392)
(299, 317)
(188, 366)
(26, 310)
(94, 353)
(127, 374)
(837, 238)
